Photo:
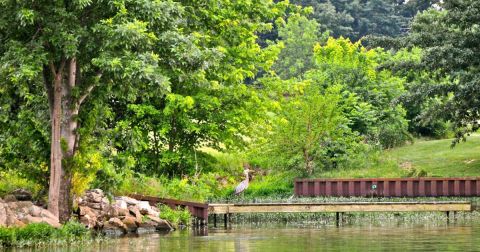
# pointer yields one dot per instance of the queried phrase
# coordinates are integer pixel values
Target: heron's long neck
(246, 177)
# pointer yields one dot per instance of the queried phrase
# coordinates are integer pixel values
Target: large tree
(449, 37)
(132, 58)
(208, 105)
(74, 49)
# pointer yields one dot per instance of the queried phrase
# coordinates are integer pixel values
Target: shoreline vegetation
(42, 234)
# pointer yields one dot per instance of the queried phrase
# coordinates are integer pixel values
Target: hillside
(436, 158)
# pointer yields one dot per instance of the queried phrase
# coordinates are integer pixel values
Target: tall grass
(42, 234)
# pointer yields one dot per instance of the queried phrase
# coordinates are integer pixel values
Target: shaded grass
(436, 158)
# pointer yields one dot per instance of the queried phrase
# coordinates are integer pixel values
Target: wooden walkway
(337, 207)
(201, 211)
(443, 206)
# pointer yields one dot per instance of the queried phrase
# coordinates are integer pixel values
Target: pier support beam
(214, 220)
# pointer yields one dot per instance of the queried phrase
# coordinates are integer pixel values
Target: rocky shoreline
(118, 216)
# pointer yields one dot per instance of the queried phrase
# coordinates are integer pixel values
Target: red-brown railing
(198, 210)
(388, 187)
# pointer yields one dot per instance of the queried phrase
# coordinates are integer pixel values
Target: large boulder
(114, 224)
(144, 207)
(128, 200)
(136, 213)
(131, 223)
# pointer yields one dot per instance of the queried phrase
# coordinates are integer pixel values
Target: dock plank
(340, 207)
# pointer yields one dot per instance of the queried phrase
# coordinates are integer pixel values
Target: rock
(30, 219)
(95, 205)
(3, 215)
(111, 211)
(121, 204)
(10, 217)
(84, 210)
(18, 223)
(52, 222)
(47, 214)
(128, 200)
(35, 211)
(122, 212)
(161, 224)
(88, 221)
(23, 204)
(131, 223)
(10, 198)
(115, 223)
(144, 207)
(95, 196)
(22, 195)
(136, 213)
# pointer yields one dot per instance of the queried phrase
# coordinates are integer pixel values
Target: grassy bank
(432, 158)
(41, 234)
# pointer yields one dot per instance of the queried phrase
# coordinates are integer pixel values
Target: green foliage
(40, 234)
(298, 37)
(279, 184)
(370, 94)
(356, 19)
(448, 39)
(208, 106)
(10, 180)
(200, 188)
(177, 216)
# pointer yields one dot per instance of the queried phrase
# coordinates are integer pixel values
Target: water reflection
(465, 237)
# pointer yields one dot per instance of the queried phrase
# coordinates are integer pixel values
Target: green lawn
(435, 157)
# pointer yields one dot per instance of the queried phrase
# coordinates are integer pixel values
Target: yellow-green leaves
(26, 16)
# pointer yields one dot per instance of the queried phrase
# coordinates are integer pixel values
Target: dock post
(214, 220)
(225, 220)
(337, 218)
(448, 216)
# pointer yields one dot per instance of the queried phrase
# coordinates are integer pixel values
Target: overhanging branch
(89, 89)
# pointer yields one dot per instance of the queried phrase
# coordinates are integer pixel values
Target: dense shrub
(177, 216)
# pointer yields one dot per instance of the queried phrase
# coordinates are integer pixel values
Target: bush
(177, 216)
(35, 233)
(73, 231)
(9, 181)
(276, 185)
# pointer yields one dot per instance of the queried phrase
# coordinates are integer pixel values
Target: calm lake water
(451, 237)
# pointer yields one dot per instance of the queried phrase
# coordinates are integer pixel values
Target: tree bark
(64, 138)
(55, 148)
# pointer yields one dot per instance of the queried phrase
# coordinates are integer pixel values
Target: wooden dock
(443, 206)
(337, 207)
(201, 211)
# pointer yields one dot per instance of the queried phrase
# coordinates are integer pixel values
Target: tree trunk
(308, 162)
(55, 148)
(64, 137)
